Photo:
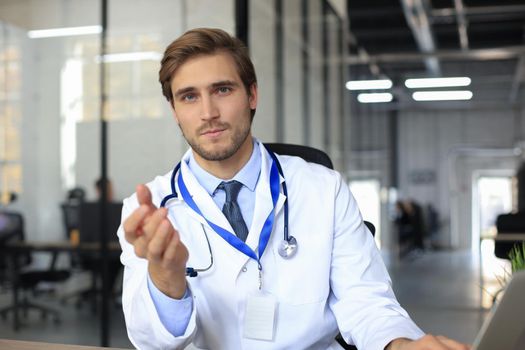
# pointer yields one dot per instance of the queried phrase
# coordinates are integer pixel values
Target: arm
(364, 303)
(362, 298)
(151, 250)
(429, 342)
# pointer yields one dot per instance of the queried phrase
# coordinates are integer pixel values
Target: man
(247, 296)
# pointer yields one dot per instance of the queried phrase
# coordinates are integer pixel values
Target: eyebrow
(224, 83)
(183, 91)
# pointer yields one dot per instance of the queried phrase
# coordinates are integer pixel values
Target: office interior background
(458, 157)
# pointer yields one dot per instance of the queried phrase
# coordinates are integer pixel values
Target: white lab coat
(336, 281)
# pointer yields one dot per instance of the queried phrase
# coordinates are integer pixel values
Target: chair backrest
(70, 216)
(12, 229)
(309, 154)
(508, 223)
(89, 221)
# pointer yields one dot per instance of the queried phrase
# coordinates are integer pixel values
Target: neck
(227, 168)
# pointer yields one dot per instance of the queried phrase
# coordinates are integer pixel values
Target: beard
(216, 153)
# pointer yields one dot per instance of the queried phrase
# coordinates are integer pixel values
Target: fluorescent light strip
(437, 82)
(454, 95)
(369, 84)
(375, 97)
(68, 31)
(131, 56)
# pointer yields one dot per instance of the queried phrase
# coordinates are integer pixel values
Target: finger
(144, 196)
(157, 244)
(133, 223)
(452, 344)
(141, 247)
(152, 223)
(175, 250)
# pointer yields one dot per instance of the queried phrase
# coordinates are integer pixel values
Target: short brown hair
(204, 41)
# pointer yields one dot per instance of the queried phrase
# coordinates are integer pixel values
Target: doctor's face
(212, 107)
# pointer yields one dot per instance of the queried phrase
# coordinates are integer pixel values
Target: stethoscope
(288, 246)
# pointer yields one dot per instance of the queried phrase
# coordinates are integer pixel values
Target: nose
(209, 109)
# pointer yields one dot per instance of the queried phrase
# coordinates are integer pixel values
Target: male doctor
(227, 222)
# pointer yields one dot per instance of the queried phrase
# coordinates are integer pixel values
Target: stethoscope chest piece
(288, 248)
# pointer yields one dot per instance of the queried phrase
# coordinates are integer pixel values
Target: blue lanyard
(229, 237)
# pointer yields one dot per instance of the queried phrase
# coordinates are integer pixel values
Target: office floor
(440, 290)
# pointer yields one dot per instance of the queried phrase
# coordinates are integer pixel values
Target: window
(132, 63)
(10, 115)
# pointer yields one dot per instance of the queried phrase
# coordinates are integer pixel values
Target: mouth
(213, 132)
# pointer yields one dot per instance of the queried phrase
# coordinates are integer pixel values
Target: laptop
(504, 328)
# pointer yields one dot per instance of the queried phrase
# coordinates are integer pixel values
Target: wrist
(173, 286)
(397, 344)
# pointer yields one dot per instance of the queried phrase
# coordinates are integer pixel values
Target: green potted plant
(517, 257)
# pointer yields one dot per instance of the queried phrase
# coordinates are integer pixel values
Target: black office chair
(505, 224)
(86, 217)
(27, 279)
(314, 155)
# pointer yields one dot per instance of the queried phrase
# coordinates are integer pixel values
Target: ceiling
(482, 39)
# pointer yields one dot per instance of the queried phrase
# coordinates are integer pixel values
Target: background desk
(6, 344)
(55, 247)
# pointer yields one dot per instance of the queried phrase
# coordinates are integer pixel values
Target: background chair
(84, 217)
(317, 156)
(310, 154)
(23, 278)
(505, 224)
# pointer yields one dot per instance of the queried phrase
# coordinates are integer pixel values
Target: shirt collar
(248, 175)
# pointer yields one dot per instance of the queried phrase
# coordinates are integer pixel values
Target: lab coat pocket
(303, 278)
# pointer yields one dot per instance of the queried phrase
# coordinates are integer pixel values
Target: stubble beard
(236, 141)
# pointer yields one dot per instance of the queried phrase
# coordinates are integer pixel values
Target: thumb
(144, 196)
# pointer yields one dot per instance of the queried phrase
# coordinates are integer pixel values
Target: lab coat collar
(263, 206)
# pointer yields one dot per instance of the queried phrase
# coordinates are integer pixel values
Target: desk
(6, 344)
(17, 247)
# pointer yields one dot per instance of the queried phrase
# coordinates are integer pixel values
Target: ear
(252, 98)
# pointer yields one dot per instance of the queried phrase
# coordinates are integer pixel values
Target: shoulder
(297, 171)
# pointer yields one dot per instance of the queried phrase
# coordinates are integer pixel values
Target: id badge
(259, 319)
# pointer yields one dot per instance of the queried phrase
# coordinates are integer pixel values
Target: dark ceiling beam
(415, 12)
(502, 53)
(382, 33)
(462, 24)
(352, 42)
(372, 11)
(480, 10)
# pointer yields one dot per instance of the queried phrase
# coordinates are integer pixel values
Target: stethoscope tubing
(288, 240)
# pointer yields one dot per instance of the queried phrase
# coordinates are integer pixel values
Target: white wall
(293, 45)
(453, 144)
(315, 49)
(262, 51)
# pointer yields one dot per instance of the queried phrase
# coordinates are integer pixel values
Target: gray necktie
(231, 208)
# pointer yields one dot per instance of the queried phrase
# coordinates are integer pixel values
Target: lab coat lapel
(204, 201)
(263, 207)
(263, 200)
(212, 212)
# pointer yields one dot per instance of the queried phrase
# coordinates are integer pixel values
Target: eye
(224, 90)
(189, 97)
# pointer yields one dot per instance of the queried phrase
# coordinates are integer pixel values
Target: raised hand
(154, 238)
